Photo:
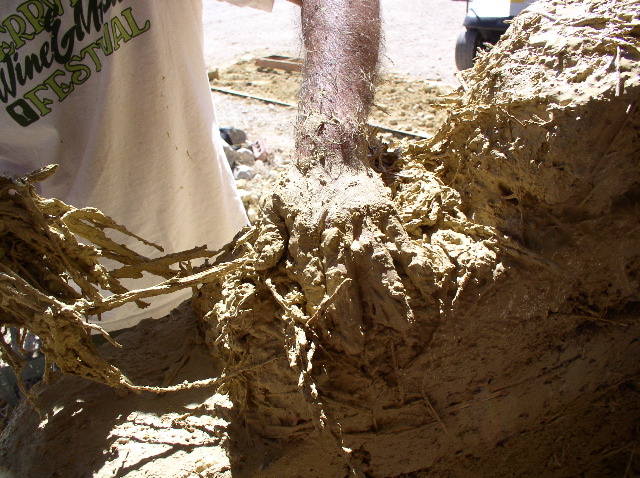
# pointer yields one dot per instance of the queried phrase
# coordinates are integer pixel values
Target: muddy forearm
(342, 42)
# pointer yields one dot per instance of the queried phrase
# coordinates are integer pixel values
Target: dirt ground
(402, 103)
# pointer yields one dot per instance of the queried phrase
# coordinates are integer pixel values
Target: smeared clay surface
(478, 317)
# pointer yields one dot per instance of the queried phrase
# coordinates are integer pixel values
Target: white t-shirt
(116, 92)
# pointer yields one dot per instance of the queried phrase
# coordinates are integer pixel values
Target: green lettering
(79, 71)
(17, 28)
(55, 5)
(41, 104)
(119, 33)
(35, 18)
(105, 40)
(6, 49)
(46, 57)
(135, 29)
(60, 89)
(91, 51)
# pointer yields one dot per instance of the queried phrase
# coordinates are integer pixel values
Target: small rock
(245, 157)
(233, 136)
(230, 153)
(243, 194)
(236, 157)
(259, 167)
(252, 214)
(243, 172)
(242, 184)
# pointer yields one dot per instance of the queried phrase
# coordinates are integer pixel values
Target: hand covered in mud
(340, 241)
(330, 229)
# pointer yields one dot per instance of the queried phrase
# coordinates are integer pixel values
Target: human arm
(342, 42)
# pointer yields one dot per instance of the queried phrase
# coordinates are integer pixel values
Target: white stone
(243, 172)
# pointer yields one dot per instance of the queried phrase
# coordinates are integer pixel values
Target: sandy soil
(403, 103)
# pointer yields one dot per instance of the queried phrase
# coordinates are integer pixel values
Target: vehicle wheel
(466, 48)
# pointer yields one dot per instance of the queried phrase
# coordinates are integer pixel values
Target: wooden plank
(280, 62)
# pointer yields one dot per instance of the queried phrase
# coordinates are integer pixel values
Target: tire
(467, 46)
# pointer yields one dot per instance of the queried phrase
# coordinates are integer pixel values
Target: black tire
(467, 46)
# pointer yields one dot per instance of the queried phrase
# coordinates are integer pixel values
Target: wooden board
(280, 62)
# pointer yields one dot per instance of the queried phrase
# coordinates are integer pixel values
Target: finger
(383, 295)
(341, 323)
(426, 265)
(270, 243)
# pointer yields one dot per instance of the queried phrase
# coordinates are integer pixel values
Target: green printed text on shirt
(49, 47)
